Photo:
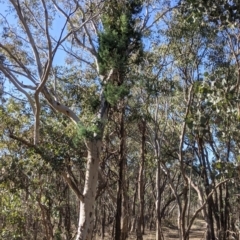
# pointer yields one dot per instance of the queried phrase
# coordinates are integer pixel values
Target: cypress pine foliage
(119, 38)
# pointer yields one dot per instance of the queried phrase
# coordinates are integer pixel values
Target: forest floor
(171, 232)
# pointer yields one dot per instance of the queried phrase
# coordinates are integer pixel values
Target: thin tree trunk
(152, 220)
(133, 221)
(46, 218)
(121, 180)
(210, 205)
(140, 218)
(103, 221)
(35, 228)
(159, 235)
(124, 217)
(183, 213)
(189, 198)
(118, 213)
(227, 213)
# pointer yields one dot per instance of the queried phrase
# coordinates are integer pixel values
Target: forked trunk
(86, 216)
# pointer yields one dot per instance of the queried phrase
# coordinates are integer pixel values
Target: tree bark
(159, 235)
(103, 222)
(133, 221)
(86, 216)
(119, 234)
(140, 218)
(124, 217)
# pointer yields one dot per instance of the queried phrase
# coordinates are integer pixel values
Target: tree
(21, 62)
(126, 104)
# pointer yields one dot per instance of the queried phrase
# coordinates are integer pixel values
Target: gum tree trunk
(86, 216)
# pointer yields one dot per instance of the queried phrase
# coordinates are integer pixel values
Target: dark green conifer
(119, 39)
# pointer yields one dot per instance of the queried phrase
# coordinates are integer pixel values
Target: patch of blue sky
(57, 30)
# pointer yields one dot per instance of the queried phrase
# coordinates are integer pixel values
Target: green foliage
(114, 93)
(186, 53)
(220, 12)
(225, 169)
(119, 38)
(13, 214)
(93, 103)
(92, 130)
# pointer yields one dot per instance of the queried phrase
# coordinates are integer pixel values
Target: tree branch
(17, 7)
(13, 80)
(203, 205)
(73, 186)
(60, 107)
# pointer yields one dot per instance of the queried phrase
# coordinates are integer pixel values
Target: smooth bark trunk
(86, 216)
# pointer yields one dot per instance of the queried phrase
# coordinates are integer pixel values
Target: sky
(57, 26)
(55, 31)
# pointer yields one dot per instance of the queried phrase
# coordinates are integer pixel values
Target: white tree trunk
(86, 216)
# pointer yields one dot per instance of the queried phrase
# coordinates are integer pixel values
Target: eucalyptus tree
(220, 12)
(32, 182)
(30, 48)
(28, 61)
(189, 44)
(215, 97)
(182, 80)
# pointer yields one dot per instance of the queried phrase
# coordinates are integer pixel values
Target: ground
(171, 233)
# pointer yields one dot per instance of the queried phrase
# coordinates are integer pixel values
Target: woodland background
(119, 117)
